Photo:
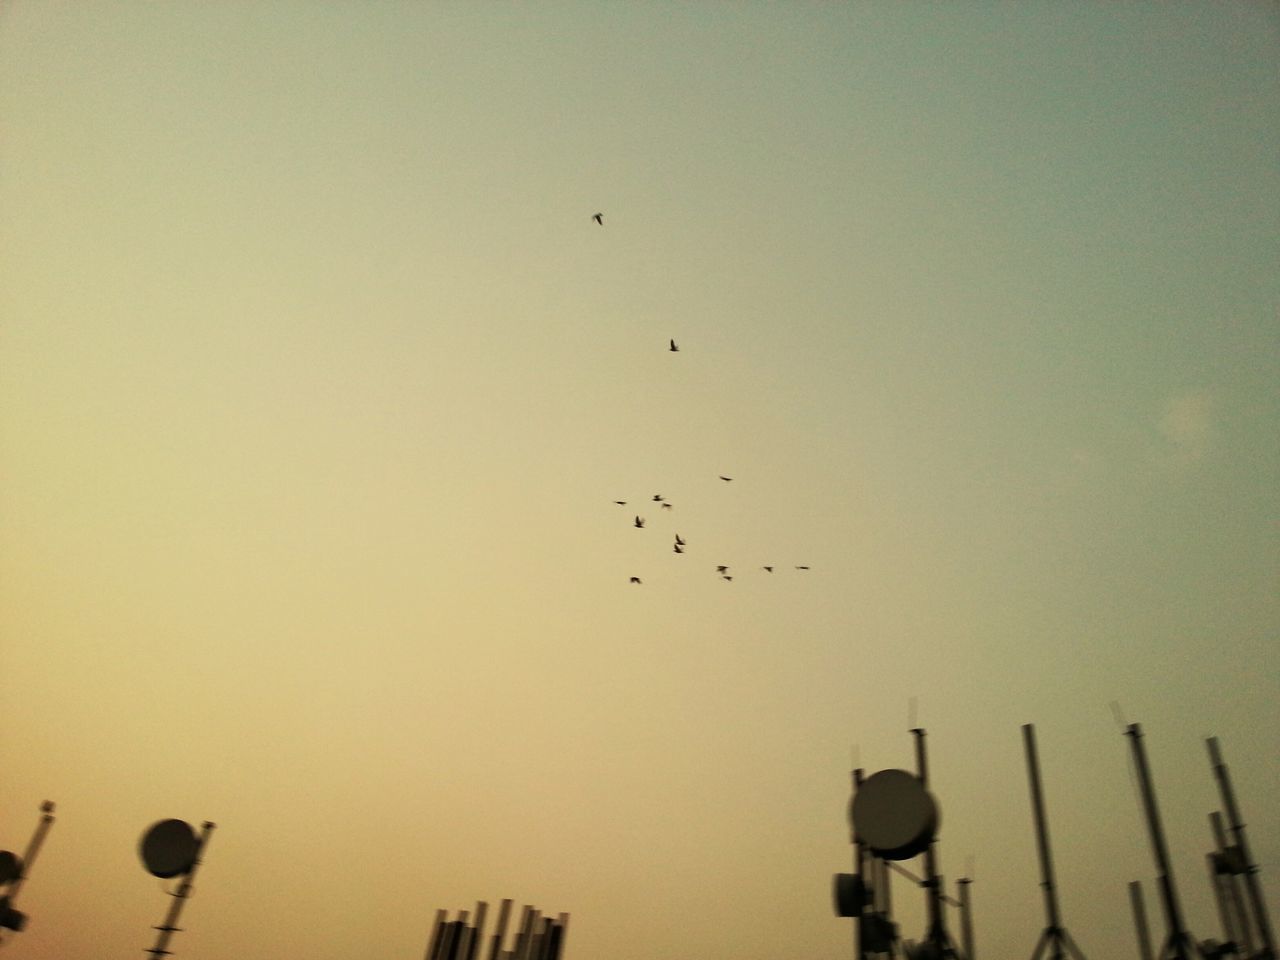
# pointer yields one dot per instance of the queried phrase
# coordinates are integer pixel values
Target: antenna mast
(1247, 866)
(1054, 936)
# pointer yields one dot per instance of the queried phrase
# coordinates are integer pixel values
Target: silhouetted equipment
(1054, 936)
(1178, 943)
(966, 917)
(894, 815)
(14, 871)
(1236, 860)
(1224, 865)
(538, 938)
(1140, 920)
(170, 848)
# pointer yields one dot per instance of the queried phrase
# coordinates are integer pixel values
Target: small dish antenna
(894, 815)
(169, 848)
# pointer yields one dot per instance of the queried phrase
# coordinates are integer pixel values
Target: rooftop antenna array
(539, 937)
(893, 817)
(14, 871)
(1054, 937)
(169, 849)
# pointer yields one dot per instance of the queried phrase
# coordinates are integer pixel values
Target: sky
(318, 383)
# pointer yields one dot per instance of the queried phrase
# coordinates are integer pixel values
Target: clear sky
(318, 383)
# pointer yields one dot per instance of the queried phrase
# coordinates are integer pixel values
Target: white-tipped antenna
(912, 713)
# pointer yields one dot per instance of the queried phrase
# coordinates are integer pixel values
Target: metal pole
(932, 884)
(1140, 920)
(433, 944)
(184, 891)
(1231, 889)
(966, 920)
(1042, 839)
(1260, 919)
(1220, 897)
(33, 849)
(1177, 935)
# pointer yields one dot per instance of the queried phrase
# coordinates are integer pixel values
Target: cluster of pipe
(539, 937)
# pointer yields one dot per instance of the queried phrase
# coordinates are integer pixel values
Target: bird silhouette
(726, 479)
(636, 580)
(767, 569)
(679, 540)
(725, 576)
(658, 498)
(639, 522)
(721, 569)
(621, 503)
(798, 567)
(673, 348)
(599, 218)
(666, 506)
(677, 548)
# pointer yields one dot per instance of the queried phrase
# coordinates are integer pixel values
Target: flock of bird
(679, 544)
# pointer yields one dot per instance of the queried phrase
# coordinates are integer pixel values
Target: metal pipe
(966, 919)
(1260, 919)
(1140, 920)
(500, 931)
(1042, 836)
(433, 944)
(1177, 934)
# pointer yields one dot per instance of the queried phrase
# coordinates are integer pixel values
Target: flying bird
(666, 506)
(677, 548)
(767, 569)
(726, 479)
(798, 567)
(721, 569)
(635, 580)
(658, 498)
(725, 576)
(621, 503)
(679, 540)
(639, 522)
(673, 348)
(599, 218)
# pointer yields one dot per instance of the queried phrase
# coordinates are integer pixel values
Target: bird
(658, 498)
(673, 348)
(677, 548)
(721, 569)
(767, 569)
(725, 479)
(599, 218)
(799, 567)
(621, 503)
(679, 540)
(666, 506)
(636, 580)
(639, 522)
(725, 576)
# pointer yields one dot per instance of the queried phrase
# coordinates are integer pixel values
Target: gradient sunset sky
(318, 384)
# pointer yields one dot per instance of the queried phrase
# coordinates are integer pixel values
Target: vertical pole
(477, 932)
(859, 950)
(1260, 920)
(1042, 840)
(1231, 889)
(504, 915)
(933, 884)
(1168, 893)
(966, 919)
(1140, 920)
(33, 849)
(433, 945)
(184, 891)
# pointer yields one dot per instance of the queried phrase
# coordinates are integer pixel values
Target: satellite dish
(169, 848)
(10, 867)
(894, 815)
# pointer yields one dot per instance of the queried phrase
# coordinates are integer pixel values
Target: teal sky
(318, 383)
